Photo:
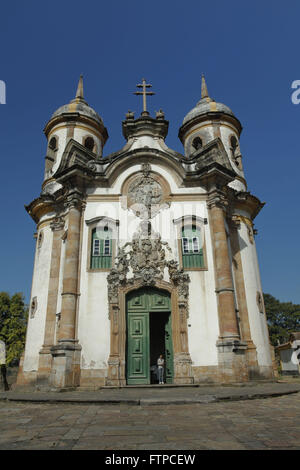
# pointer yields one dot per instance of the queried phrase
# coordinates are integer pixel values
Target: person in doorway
(160, 368)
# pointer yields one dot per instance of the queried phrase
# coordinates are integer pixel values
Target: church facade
(145, 252)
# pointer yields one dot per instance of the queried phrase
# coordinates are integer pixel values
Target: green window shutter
(101, 249)
(192, 251)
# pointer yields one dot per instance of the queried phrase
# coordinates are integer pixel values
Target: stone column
(251, 355)
(66, 354)
(230, 347)
(45, 359)
(115, 377)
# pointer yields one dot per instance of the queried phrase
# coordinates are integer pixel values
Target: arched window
(192, 249)
(89, 143)
(234, 146)
(53, 143)
(101, 248)
(51, 155)
(197, 143)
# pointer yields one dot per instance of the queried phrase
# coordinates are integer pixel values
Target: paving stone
(272, 423)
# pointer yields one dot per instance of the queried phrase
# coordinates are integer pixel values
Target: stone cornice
(40, 206)
(79, 168)
(247, 202)
(73, 119)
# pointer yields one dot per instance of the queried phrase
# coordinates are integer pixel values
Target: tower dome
(75, 120)
(78, 105)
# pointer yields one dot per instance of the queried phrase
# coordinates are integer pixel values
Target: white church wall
(257, 319)
(40, 284)
(203, 311)
(93, 324)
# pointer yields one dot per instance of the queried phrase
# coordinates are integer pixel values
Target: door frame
(116, 375)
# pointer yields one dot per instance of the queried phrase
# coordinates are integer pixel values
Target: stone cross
(144, 85)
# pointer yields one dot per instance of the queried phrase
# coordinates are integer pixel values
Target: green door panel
(159, 301)
(137, 301)
(138, 367)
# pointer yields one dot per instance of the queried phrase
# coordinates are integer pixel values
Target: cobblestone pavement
(271, 423)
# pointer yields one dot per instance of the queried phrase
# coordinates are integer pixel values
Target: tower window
(101, 253)
(192, 250)
(89, 143)
(53, 143)
(234, 147)
(197, 143)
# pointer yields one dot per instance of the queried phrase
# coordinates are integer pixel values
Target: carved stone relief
(144, 260)
(145, 195)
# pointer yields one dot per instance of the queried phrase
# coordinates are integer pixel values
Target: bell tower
(78, 121)
(210, 120)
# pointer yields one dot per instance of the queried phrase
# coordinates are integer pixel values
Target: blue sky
(249, 53)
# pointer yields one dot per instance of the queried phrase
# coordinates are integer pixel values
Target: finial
(79, 93)
(160, 114)
(130, 115)
(204, 92)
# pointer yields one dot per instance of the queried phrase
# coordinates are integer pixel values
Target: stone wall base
(25, 379)
(93, 378)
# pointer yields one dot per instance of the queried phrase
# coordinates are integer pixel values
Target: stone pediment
(213, 153)
(75, 155)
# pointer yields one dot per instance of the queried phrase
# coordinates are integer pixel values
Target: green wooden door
(139, 305)
(138, 348)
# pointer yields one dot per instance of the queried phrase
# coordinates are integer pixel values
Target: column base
(44, 369)
(183, 369)
(65, 371)
(116, 372)
(232, 360)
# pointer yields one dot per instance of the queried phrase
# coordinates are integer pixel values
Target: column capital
(57, 224)
(218, 199)
(75, 200)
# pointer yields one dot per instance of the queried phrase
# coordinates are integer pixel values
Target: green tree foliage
(283, 319)
(13, 321)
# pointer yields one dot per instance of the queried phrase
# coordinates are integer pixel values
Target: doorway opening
(158, 322)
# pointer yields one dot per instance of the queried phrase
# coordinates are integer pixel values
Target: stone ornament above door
(146, 193)
(144, 260)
